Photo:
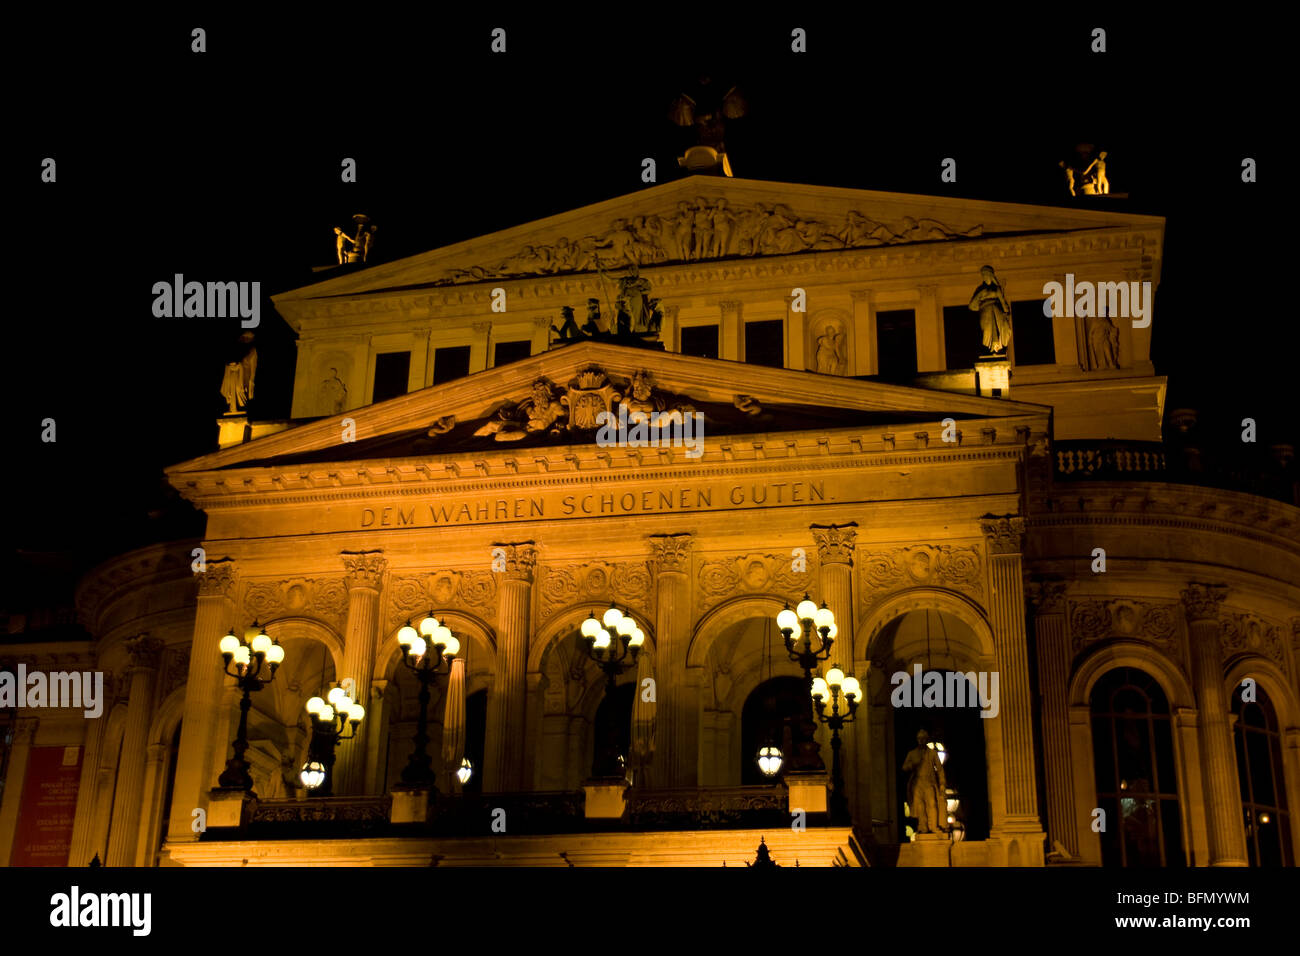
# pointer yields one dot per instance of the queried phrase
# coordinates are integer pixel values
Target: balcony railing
(1113, 459)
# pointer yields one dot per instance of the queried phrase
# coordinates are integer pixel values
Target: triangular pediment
(553, 399)
(722, 219)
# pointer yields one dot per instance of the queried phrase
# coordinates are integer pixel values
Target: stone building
(1016, 519)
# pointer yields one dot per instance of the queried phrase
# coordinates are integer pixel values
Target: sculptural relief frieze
(1250, 634)
(922, 565)
(720, 578)
(1147, 621)
(703, 229)
(416, 594)
(626, 583)
(323, 598)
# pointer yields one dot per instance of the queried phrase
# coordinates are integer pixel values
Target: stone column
(731, 330)
(24, 733)
(1052, 645)
(866, 342)
(507, 701)
(374, 729)
(676, 755)
(1018, 817)
(835, 544)
(453, 725)
(930, 356)
(216, 613)
(1218, 761)
(364, 574)
(151, 807)
(142, 669)
(83, 820)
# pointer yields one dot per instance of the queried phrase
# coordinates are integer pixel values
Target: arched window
(1263, 790)
(772, 713)
(1133, 756)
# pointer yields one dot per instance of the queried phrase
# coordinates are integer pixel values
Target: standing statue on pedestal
(1096, 174)
(237, 384)
(707, 108)
(926, 789)
(362, 244)
(990, 301)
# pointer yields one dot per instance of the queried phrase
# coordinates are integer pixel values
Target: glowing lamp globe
(314, 705)
(625, 626)
(637, 638)
(312, 775)
(590, 626)
(769, 760)
(417, 647)
(429, 625)
(612, 617)
(602, 640)
(819, 690)
(243, 655)
(787, 620)
(451, 647)
(261, 644)
(275, 654)
(852, 688)
(824, 617)
(229, 644)
(407, 636)
(806, 610)
(835, 677)
(356, 713)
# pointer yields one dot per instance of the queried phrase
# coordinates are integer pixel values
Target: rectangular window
(1031, 334)
(765, 343)
(700, 340)
(896, 343)
(450, 364)
(506, 352)
(963, 341)
(392, 372)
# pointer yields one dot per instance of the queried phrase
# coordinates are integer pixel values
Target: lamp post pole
(426, 667)
(813, 646)
(331, 723)
(613, 653)
(836, 686)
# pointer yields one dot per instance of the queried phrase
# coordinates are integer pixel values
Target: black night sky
(225, 166)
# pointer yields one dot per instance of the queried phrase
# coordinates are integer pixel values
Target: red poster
(44, 834)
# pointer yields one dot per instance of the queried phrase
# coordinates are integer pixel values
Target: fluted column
(24, 733)
(1019, 804)
(83, 820)
(1223, 811)
(676, 756)
(507, 701)
(214, 615)
(142, 668)
(1048, 598)
(364, 574)
(643, 717)
(835, 544)
(152, 804)
(453, 723)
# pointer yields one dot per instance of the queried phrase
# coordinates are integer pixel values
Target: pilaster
(507, 704)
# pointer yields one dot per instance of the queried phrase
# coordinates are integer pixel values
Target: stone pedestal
(993, 375)
(411, 805)
(926, 849)
(231, 430)
(606, 799)
(809, 792)
(229, 808)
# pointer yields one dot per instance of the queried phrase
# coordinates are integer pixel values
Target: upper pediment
(554, 399)
(711, 218)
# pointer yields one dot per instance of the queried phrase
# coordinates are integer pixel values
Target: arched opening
(1263, 790)
(770, 714)
(612, 732)
(1133, 758)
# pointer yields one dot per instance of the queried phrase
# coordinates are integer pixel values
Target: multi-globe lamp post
(333, 721)
(613, 653)
(248, 659)
(809, 632)
(428, 654)
(844, 694)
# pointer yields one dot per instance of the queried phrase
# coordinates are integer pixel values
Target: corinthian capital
(1003, 533)
(835, 542)
(672, 552)
(1201, 601)
(143, 653)
(217, 579)
(363, 569)
(516, 561)
(1047, 596)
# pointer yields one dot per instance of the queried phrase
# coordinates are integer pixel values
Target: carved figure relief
(412, 595)
(707, 229)
(628, 583)
(922, 565)
(326, 599)
(721, 578)
(1249, 634)
(1092, 621)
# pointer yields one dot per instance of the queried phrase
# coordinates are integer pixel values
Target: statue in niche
(237, 383)
(1102, 337)
(333, 393)
(926, 787)
(990, 301)
(830, 350)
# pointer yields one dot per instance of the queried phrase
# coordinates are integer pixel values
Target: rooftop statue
(990, 301)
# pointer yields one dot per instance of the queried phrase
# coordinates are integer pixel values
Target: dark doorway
(611, 735)
(772, 713)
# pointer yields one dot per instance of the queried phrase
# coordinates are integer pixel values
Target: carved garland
(323, 598)
(922, 565)
(1092, 621)
(627, 583)
(720, 578)
(413, 595)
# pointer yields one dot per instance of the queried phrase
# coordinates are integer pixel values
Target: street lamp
(808, 648)
(613, 653)
(464, 771)
(426, 667)
(835, 685)
(331, 724)
(248, 660)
